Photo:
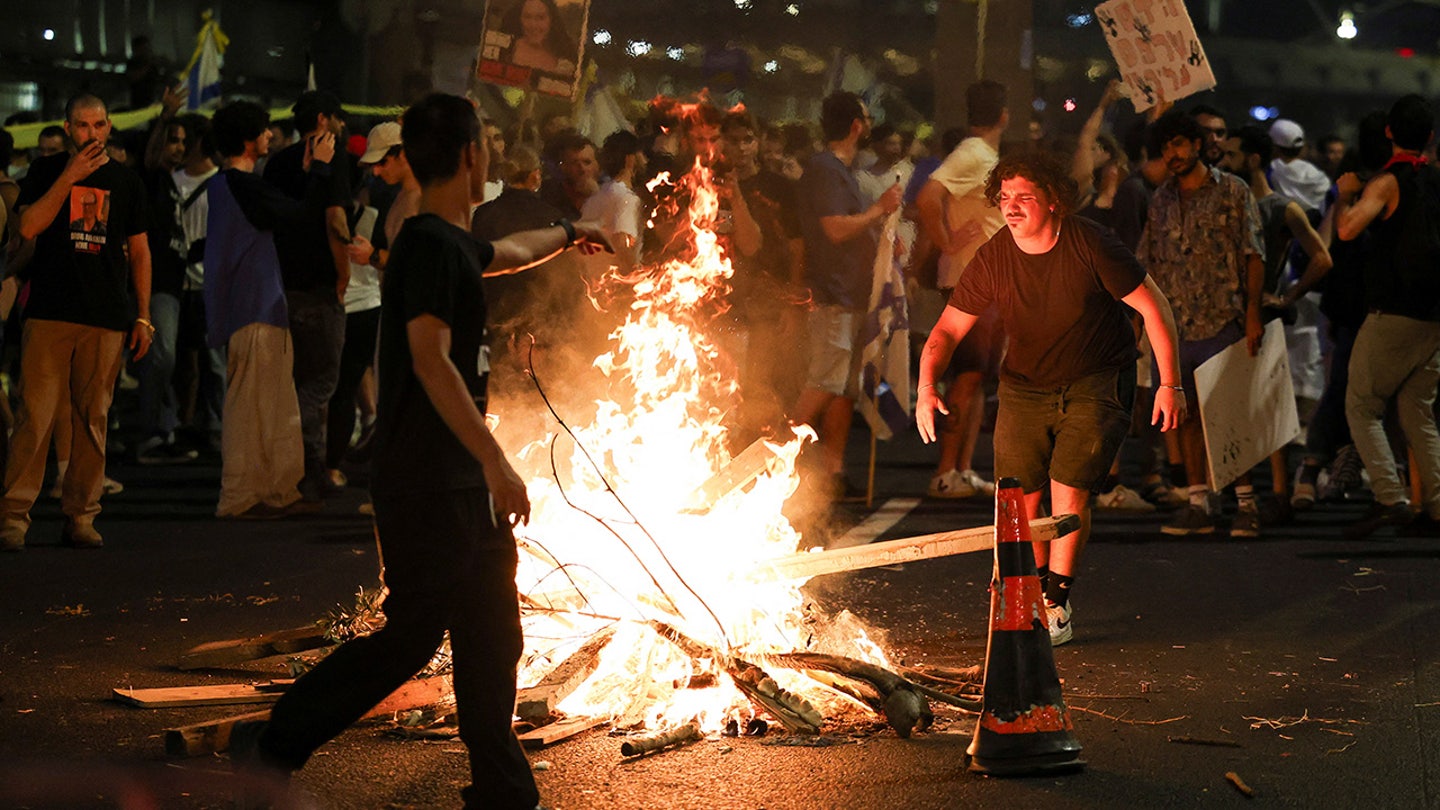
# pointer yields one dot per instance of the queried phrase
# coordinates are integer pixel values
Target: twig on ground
(1234, 779)
(1203, 741)
(1287, 722)
(1126, 721)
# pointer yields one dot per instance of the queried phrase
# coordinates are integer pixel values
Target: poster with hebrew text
(1155, 45)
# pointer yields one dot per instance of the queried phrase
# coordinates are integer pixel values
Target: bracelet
(1179, 388)
(923, 387)
(569, 230)
(147, 324)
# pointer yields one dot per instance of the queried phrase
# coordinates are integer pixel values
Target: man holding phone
(315, 267)
(79, 316)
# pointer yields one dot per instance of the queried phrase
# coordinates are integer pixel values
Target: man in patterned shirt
(1202, 244)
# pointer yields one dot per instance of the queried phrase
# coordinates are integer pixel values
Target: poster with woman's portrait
(534, 43)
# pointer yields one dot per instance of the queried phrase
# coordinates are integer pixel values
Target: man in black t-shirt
(78, 317)
(1068, 381)
(315, 268)
(1397, 350)
(446, 498)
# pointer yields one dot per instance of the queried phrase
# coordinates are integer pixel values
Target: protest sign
(1155, 45)
(1247, 405)
(536, 44)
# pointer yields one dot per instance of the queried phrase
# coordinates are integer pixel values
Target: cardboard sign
(1247, 405)
(536, 44)
(1155, 45)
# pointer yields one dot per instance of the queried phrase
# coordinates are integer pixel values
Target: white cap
(381, 139)
(1287, 134)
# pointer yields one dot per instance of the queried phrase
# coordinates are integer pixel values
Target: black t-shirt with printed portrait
(434, 269)
(1061, 308)
(80, 273)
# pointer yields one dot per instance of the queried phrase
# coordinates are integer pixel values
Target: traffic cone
(1024, 727)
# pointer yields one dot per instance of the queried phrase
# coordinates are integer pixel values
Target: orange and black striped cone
(1024, 727)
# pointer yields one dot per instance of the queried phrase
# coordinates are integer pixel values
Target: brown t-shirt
(1061, 308)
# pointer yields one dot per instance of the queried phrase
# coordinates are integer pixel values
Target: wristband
(1179, 388)
(569, 230)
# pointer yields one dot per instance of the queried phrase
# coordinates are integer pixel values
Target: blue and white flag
(885, 335)
(202, 75)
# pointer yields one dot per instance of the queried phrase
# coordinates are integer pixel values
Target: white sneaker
(980, 485)
(951, 484)
(108, 487)
(1123, 498)
(1061, 628)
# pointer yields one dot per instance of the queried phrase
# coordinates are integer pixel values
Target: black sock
(1111, 481)
(1057, 589)
(1044, 574)
(1309, 473)
(1177, 476)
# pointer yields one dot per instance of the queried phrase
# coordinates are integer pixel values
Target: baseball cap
(1287, 134)
(382, 138)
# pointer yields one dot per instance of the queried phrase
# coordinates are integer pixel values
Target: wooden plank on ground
(211, 736)
(238, 651)
(903, 550)
(223, 694)
(414, 694)
(556, 732)
(535, 703)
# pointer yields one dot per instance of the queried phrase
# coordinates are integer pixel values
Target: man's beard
(1187, 168)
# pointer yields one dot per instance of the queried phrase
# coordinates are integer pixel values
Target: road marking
(880, 521)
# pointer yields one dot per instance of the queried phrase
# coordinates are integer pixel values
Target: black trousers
(361, 329)
(447, 568)
(317, 328)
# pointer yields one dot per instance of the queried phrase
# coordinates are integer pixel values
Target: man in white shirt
(191, 180)
(1291, 175)
(958, 219)
(616, 207)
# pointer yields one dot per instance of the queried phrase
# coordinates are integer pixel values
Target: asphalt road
(1309, 658)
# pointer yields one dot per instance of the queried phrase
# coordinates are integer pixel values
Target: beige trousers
(62, 363)
(262, 456)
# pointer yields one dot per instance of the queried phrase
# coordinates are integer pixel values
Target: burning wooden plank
(793, 711)
(238, 651)
(903, 550)
(742, 469)
(535, 703)
(654, 742)
(900, 702)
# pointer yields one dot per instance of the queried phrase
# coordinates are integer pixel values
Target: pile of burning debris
(659, 579)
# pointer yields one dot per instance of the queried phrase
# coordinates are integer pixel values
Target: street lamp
(1347, 29)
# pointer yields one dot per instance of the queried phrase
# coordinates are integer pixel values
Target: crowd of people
(249, 277)
(1236, 225)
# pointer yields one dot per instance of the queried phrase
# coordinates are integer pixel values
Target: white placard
(1155, 45)
(1247, 405)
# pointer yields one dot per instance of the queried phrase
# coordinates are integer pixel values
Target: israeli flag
(203, 74)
